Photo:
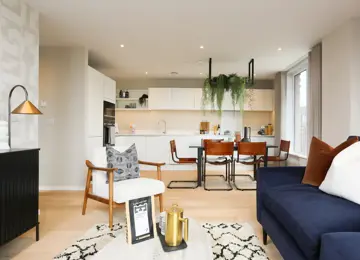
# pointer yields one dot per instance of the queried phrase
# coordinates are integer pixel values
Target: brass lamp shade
(26, 107)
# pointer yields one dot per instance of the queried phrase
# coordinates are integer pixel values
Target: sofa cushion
(307, 213)
(126, 162)
(319, 160)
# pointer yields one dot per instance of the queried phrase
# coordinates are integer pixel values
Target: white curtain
(314, 93)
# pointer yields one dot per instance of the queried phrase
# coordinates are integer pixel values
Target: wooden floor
(61, 221)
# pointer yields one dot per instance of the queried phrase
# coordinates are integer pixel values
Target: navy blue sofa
(303, 222)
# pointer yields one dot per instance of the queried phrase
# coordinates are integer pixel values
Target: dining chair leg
(196, 184)
(224, 177)
(243, 175)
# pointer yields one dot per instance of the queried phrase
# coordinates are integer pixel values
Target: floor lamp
(26, 108)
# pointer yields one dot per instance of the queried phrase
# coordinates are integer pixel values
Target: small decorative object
(133, 128)
(214, 88)
(127, 94)
(140, 219)
(121, 93)
(143, 100)
(25, 107)
(175, 222)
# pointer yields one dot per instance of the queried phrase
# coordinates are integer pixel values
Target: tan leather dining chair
(218, 153)
(253, 149)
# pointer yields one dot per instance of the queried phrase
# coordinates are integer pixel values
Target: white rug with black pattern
(229, 242)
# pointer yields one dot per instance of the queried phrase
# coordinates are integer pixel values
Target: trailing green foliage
(214, 90)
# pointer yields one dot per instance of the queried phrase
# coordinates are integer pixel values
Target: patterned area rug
(229, 242)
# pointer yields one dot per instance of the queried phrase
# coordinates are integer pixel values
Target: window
(300, 113)
(296, 108)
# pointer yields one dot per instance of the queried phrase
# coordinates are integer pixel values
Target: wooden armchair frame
(110, 174)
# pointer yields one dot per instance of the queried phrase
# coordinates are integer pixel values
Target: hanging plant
(214, 90)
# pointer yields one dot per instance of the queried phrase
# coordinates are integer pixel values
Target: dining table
(200, 152)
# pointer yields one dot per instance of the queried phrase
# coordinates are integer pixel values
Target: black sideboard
(19, 193)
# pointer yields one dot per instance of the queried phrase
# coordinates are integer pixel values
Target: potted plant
(214, 90)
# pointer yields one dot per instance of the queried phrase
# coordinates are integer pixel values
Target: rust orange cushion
(320, 158)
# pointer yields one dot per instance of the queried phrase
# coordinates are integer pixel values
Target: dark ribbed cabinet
(19, 193)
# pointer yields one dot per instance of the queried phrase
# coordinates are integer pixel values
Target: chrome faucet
(164, 132)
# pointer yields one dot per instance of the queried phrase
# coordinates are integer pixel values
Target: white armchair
(117, 193)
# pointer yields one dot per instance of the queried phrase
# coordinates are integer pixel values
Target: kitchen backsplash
(189, 121)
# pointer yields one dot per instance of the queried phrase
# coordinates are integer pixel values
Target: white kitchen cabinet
(94, 113)
(228, 104)
(259, 100)
(183, 98)
(160, 98)
(139, 141)
(198, 100)
(158, 149)
(109, 89)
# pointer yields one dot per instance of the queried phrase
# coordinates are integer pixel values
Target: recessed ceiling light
(122, 45)
(200, 73)
(146, 72)
(201, 47)
(254, 74)
(279, 49)
(174, 73)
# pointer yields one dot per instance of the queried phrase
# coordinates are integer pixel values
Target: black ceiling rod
(251, 80)
(210, 63)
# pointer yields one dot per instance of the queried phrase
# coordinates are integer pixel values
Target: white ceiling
(161, 36)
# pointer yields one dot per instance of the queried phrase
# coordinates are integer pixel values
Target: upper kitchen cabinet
(259, 100)
(109, 88)
(94, 111)
(160, 98)
(228, 104)
(183, 98)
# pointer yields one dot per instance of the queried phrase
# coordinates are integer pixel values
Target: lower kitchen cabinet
(139, 141)
(157, 148)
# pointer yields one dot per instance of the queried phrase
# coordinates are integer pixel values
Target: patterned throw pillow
(126, 163)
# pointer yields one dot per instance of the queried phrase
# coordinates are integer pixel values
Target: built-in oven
(109, 124)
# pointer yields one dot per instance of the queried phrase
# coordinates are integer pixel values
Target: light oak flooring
(61, 221)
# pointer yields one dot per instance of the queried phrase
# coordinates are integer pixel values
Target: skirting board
(61, 188)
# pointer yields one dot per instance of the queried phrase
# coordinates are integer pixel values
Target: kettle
(174, 226)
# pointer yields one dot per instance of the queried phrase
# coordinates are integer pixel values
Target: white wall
(63, 79)
(340, 83)
(19, 58)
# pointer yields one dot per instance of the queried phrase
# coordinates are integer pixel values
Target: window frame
(300, 67)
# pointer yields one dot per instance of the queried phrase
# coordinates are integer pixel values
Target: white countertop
(171, 133)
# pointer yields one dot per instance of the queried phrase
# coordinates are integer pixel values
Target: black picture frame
(138, 205)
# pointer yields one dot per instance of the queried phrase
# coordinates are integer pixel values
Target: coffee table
(198, 247)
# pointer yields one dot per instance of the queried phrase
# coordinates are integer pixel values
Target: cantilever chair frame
(211, 149)
(179, 160)
(257, 149)
(284, 147)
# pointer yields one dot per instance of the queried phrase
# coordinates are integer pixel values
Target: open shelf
(131, 109)
(127, 99)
